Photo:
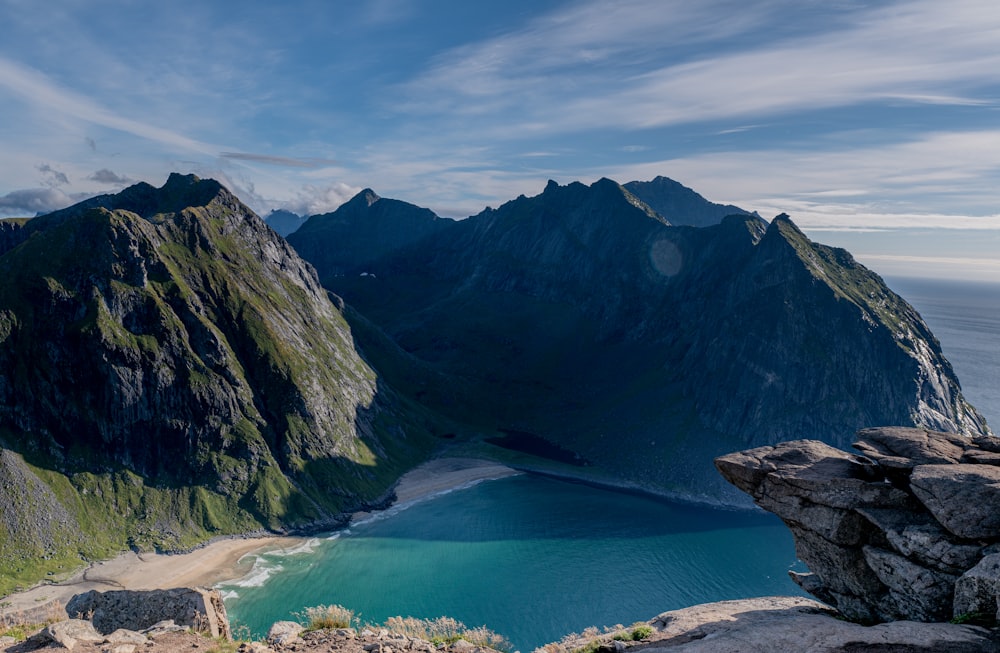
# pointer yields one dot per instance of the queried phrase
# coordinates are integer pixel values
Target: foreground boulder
(797, 624)
(909, 531)
(198, 608)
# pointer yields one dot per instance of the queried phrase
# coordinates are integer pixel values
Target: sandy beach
(228, 559)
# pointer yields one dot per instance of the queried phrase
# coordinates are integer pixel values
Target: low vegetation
(321, 617)
(593, 639)
(439, 631)
(20, 625)
(445, 630)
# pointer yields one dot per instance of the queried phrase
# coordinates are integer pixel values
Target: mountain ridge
(181, 361)
(579, 313)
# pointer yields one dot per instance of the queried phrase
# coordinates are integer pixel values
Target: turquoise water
(530, 557)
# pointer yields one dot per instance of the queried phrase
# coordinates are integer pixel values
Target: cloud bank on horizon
(859, 119)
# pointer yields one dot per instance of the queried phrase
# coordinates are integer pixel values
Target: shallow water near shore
(531, 557)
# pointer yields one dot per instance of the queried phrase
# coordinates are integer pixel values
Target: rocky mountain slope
(170, 370)
(581, 317)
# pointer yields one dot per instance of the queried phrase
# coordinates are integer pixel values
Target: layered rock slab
(798, 624)
(906, 532)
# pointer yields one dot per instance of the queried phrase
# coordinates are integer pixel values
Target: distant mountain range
(584, 318)
(171, 369)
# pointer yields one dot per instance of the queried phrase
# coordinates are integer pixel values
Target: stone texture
(917, 535)
(924, 594)
(978, 590)
(796, 624)
(915, 446)
(962, 497)
(899, 534)
(71, 632)
(283, 633)
(125, 636)
(198, 608)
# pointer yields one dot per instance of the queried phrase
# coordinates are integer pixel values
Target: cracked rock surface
(908, 531)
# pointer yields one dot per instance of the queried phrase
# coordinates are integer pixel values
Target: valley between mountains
(172, 370)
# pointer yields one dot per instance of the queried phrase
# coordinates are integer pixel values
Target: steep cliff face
(581, 316)
(171, 368)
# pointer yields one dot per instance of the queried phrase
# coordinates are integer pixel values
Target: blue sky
(875, 125)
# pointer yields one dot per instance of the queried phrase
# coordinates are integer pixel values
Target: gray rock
(917, 592)
(962, 497)
(201, 609)
(977, 591)
(914, 445)
(917, 535)
(796, 624)
(125, 636)
(282, 633)
(121, 648)
(981, 458)
(810, 469)
(70, 632)
(164, 627)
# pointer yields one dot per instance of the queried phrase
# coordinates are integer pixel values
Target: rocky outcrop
(907, 531)
(197, 608)
(793, 624)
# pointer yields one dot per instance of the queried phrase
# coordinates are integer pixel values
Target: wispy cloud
(938, 267)
(28, 202)
(269, 159)
(313, 200)
(39, 90)
(105, 176)
(936, 176)
(565, 71)
(51, 177)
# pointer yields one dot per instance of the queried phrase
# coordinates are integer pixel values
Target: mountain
(171, 370)
(581, 323)
(284, 222)
(679, 204)
(365, 227)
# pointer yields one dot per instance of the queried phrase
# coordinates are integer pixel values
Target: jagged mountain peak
(365, 198)
(180, 193)
(577, 205)
(679, 204)
(365, 226)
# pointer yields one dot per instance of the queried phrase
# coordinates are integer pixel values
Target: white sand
(231, 558)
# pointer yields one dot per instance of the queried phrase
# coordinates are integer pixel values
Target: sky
(874, 125)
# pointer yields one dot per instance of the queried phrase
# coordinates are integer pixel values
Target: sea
(535, 558)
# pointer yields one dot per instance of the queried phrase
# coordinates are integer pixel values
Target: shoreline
(231, 557)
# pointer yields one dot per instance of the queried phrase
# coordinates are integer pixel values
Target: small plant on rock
(322, 617)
